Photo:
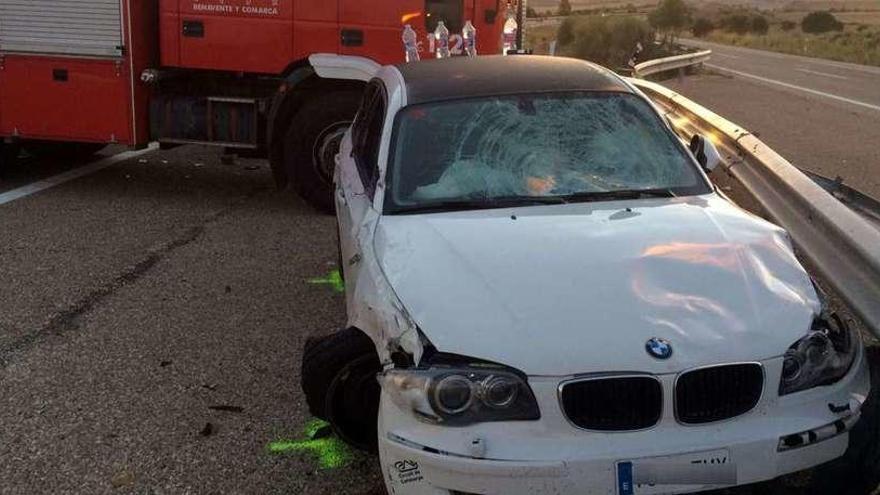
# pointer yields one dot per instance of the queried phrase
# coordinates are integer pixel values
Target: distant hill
(542, 5)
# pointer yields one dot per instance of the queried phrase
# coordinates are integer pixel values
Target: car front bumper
(552, 456)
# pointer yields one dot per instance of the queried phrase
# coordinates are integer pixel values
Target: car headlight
(461, 396)
(821, 357)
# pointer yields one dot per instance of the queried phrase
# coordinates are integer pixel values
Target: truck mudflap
(330, 66)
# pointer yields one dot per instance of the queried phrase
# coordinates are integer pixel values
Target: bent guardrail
(840, 245)
(670, 63)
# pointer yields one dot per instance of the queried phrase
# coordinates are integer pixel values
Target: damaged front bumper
(552, 456)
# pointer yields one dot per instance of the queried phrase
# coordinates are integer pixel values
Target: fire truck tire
(858, 471)
(312, 141)
(52, 149)
(8, 156)
(339, 381)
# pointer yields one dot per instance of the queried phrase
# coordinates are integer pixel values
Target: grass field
(859, 47)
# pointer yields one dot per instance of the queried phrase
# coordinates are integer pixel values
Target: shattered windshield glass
(548, 145)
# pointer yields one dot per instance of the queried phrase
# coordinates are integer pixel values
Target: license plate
(674, 473)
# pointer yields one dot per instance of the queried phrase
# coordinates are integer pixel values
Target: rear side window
(448, 11)
(366, 135)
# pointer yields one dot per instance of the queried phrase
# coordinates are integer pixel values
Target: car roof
(466, 77)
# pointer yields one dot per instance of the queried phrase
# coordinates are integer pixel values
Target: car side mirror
(705, 152)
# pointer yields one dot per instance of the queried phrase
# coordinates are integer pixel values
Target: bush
(531, 12)
(736, 23)
(820, 22)
(670, 17)
(787, 25)
(702, 27)
(565, 33)
(608, 41)
(760, 25)
(564, 7)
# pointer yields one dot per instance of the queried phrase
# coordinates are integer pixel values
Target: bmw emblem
(658, 348)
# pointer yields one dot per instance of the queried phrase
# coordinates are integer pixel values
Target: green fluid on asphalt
(330, 451)
(333, 279)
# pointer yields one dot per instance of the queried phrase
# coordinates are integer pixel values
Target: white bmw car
(555, 298)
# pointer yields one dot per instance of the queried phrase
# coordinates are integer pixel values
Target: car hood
(580, 288)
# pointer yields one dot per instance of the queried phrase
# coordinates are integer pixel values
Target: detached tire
(858, 471)
(339, 382)
(312, 141)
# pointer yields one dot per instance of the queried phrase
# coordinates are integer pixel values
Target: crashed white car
(555, 298)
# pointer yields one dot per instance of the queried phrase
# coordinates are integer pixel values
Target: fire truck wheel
(63, 149)
(858, 471)
(312, 141)
(8, 156)
(339, 382)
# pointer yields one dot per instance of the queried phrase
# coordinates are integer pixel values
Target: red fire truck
(78, 74)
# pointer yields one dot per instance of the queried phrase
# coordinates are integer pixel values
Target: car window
(535, 145)
(366, 135)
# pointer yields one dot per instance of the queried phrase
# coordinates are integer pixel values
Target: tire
(312, 141)
(858, 471)
(339, 382)
(52, 149)
(8, 156)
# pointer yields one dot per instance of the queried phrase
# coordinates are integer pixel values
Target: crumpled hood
(564, 290)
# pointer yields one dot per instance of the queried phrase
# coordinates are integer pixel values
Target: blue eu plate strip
(625, 478)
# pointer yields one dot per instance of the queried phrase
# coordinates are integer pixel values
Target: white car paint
(564, 291)
(331, 66)
(699, 272)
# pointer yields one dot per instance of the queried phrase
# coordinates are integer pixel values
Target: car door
(357, 178)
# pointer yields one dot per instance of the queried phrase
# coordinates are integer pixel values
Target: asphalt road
(857, 85)
(824, 120)
(152, 316)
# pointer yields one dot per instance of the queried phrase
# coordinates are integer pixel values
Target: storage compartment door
(79, 27)
(65, 98)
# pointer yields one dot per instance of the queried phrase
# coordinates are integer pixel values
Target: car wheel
(312, 142)
(339, 382)
(858, 471)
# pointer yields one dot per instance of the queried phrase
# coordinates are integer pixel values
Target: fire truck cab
(76, 75)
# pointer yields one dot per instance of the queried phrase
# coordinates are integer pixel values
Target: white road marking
(808, 71)
(41, 185)
(796, 87)
(752, 53)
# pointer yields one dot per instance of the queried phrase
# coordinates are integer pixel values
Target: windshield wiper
(618, 195)
(480, 204)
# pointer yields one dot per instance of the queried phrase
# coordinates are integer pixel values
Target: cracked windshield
(536, 145)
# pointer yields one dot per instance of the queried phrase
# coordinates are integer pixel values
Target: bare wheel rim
(325, 150)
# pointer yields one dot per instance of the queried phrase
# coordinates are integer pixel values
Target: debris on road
(333, 279)
(122, 478)
(330, 451)
(207, 430)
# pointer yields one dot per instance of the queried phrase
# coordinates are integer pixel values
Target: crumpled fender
(374, 307)
(331, 66)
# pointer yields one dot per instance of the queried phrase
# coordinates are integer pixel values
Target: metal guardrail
(670, 63)
(841, 246)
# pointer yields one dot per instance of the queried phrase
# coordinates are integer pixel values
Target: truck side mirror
(705, 152)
